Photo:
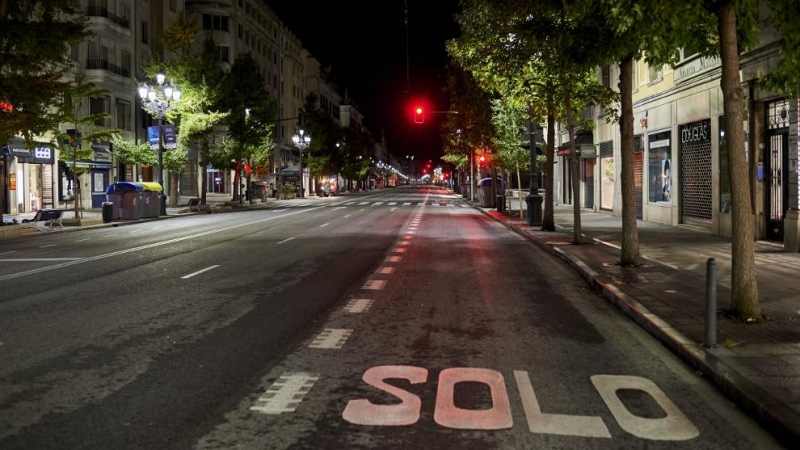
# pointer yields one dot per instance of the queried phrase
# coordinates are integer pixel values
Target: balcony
(102, 64)
(99, 11)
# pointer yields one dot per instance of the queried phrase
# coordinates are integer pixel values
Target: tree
(78, 145)
(199, 75)
(251, 113)
(511, 151)
(34, 65)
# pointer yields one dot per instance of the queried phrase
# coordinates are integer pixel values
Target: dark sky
(364, 43)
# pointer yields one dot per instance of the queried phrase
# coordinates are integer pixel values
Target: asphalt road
(394, 319)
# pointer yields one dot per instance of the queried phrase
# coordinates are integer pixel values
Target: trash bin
(259, 189)
(125, 197)
(108, 212)
(150, 205)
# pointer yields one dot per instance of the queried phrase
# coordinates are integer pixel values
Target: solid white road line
(285, 240)
(200, 271)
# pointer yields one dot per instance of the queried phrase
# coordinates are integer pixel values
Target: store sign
(12, 181)
(588, 151)
(696, 66)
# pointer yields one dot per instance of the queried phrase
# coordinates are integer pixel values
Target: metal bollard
(711, 303)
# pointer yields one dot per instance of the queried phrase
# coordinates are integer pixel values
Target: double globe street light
(157, 100)
(301, 141)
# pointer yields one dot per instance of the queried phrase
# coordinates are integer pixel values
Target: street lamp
(301, 141)
(157, 100)
(413, 169)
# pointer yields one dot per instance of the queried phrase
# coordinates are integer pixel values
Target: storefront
(30, 177)
(695, 174)
(93, 174)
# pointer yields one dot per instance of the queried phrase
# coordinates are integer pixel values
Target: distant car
(327, 191)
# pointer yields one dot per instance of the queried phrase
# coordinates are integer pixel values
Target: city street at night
(393, 318)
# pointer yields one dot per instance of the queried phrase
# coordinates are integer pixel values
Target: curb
(775, 417)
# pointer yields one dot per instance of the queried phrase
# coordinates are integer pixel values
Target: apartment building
(680, 164)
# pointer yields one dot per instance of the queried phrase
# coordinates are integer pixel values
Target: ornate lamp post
(301, 141)
(157, 100)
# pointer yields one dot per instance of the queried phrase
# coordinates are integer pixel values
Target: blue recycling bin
(126, 197)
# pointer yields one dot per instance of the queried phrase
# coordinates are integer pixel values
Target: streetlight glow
(158, 100)
(301, 141)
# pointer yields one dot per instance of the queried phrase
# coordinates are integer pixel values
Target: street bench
(48, 219)
(194, 204)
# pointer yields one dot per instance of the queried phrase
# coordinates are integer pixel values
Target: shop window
(660, 170)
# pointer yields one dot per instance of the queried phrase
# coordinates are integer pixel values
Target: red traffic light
(481, 160)
(419, 115)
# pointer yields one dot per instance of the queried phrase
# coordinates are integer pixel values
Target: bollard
(711, 303)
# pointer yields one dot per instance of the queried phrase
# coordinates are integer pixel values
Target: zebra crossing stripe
(358, 305)
(375, 285)
(286, 393)
(331, 338)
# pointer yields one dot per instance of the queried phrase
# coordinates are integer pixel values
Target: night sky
(364, 44)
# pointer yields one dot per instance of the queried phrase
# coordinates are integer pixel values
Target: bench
(48, 219)
(194, 204)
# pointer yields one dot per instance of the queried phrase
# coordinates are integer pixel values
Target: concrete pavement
(757, 365)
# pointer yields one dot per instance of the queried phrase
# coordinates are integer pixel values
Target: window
(124, 115)
(653, 73)
(125, 61)
(99, 105)
(240, 31)
(224, 53)
(215, 22)
(173, 5)
(145, 33)
(660, 173)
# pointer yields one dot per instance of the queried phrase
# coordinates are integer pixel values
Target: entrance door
(775, 177)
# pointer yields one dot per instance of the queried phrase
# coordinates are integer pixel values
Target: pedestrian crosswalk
(373, 204)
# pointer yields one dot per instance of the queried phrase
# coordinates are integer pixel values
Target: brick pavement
(757, 365)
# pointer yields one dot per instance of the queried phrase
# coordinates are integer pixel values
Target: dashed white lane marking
(200, 271)
(358, 305)
(404, 243)
(385, 270)
(374, 285)
(377, 203)
(411, 232)
(561, 424)
(394, 209)
(394, 259)
(399, 250)
(364, 203)
(137, 231)
(347, 216)
(84, 239)
(37, 259)
(331, 338)
(286, 393)
(406, 203)
(338, 207)
(8, 253)
(48, 245)
(325, 224)
(349, 203)
(391, 203)
(285, 240)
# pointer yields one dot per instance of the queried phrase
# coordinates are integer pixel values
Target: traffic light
(419, 115)
(481, 161)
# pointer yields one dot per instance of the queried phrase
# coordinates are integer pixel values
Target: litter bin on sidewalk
(150, 205)
(108, 212)
(501, 203)
(259, 189)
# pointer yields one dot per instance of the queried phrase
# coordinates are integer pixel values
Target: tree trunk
(203, 164)
(629, 255)
(744, 289)
(576, 174)
(548, 221)
(173, 189)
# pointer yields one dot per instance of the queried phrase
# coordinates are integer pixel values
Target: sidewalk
(756, 365)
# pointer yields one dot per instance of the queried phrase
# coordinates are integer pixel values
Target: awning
(581, 137)
(291, 171)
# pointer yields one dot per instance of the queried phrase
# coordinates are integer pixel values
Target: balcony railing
(99, 11)
(102, 64)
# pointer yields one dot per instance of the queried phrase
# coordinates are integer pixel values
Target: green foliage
(34, 63)
(323, 156)
(509, 122)
(785, 14)
(174, 159)
(130, 153)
